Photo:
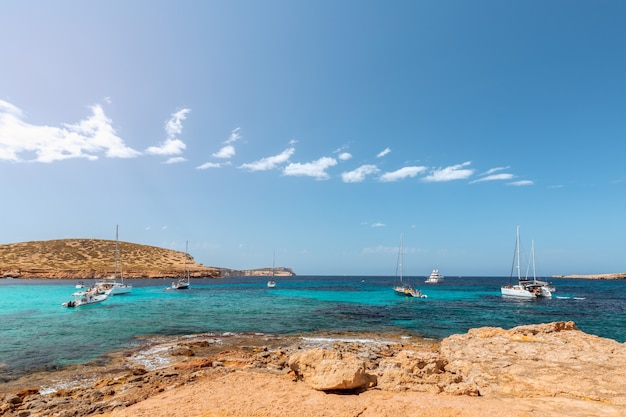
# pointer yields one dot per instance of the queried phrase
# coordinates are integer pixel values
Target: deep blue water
(36, 333)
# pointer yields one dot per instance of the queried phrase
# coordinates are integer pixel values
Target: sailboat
(110, 286)
(541, 288)
(401, 288)
(183, 283)
(525, 288)
(271, 283)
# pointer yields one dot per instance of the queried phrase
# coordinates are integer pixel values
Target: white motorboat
(402, 288)
(110, 286)
(271, 284)
(183, 283)
(82, 298)
(434, 278)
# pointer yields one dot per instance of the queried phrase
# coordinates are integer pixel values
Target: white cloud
(226, 152)
(379, 224)
(208, 165)
(85, 139)
(521, 183)
(451, 173)
(270, 162)
(175, 160)
(234, 136)
(169, 147)
(173, 127)
(359, 174)
(344, 156)
(493, 170)
(494, 177)
(316, 169)
(383, 153)
(401, 173)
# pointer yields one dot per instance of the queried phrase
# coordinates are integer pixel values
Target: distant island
(619, 275)
(94, 258)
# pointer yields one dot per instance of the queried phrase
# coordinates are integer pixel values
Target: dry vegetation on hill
(94, 258)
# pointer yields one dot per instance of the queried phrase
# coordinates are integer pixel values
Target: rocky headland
(550, 369)
(619, 275)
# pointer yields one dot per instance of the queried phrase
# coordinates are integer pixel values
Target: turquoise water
(36, 333)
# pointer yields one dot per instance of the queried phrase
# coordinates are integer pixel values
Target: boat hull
(517, 291)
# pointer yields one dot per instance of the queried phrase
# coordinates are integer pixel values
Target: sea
(38, 334)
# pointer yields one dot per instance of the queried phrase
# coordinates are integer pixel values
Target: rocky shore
(550, 369)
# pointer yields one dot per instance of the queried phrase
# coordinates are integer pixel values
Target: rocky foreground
(538, 370)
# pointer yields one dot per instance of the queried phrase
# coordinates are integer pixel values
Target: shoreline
(484, 371)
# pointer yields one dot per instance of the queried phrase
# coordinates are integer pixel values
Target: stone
(326, 370)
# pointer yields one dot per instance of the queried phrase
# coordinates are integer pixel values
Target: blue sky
(321, 130)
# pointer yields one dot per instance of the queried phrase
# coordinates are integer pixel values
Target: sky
(314, 134)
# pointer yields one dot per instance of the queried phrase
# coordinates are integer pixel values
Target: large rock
(327, 370)
(545, 360)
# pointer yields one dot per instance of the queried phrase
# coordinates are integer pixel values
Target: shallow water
(36, 333)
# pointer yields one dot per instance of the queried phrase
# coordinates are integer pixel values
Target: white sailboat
(401, 288)
(110, 286)
(525, 288)
(271, 283)
(183, 283)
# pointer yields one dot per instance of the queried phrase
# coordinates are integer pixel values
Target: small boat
(80, 285)
(401, 288)
(110, 286)
(82, 298)
(434, 278)
(183, 283)
(271, 283)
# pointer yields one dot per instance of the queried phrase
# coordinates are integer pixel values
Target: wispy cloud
(359, 174)
(383, 153)
(173, 127)
(86, 139)
(379, 224)
(175, 160)
(402, 173)
(494, 177)
(451, 173)
(344, 156)
(270, 162)
(228, 151)
(208, 165)
(316, 169)
(521, 183)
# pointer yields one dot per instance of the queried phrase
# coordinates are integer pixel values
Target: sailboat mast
(519, 272)
(532, 251)
(185, 271)
(400, 259)
(117, 252)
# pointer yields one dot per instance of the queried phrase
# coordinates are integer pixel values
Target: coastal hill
(620, 275)
(95, 258)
